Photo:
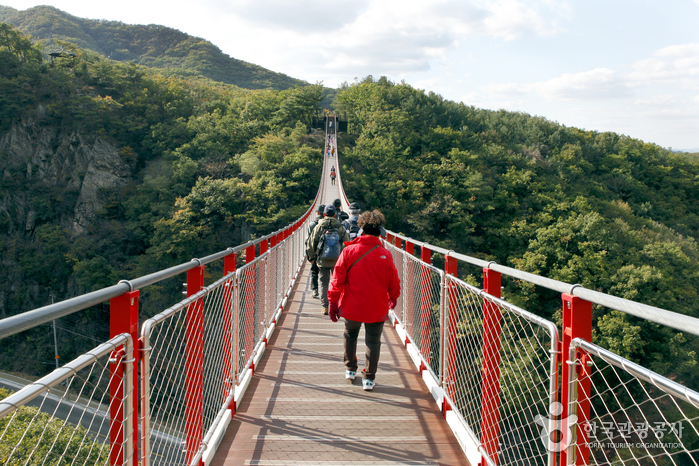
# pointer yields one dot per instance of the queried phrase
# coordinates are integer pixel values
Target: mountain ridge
(153, 46)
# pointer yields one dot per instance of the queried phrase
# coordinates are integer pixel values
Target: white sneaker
(350, 375)
(368, 384)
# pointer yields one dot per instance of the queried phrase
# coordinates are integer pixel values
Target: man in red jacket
(365, 285)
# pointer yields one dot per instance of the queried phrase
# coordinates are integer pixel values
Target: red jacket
(363, 294)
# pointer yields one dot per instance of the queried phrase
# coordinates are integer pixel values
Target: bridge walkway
(300, 410)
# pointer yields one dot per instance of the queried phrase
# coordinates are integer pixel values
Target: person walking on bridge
(314, 266)
(338, 206)
(364, 287)
(324, 247)
(332, 174)
(351, 223)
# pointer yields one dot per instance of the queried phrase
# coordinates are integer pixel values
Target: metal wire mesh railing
(165, 383)
(64, 418)
(248, 313)
(199, 350)
(637, 417)
(501, 370)
(420, 306)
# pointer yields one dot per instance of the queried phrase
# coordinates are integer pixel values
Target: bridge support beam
(577, 323)
(194, 361)
(490, 417)
(123, 318)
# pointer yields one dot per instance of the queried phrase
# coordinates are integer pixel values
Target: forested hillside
(113, 170)
(153, 46)
(110, 170)
(606, 211)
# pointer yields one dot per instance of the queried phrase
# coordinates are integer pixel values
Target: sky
(627, 66)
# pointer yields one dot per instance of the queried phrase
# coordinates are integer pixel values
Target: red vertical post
(264, 245)
(490, 415)
(425, 255)
(116, 409)
(577, 323)
(249, 253)
(273, 241)
(389, 238)
(450, 269)
(425, 311)
(229, 266)
(123, 318)
(195, 360)
(410, 248)
(398, 242)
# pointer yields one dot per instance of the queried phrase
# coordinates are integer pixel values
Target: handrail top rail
(658, 315)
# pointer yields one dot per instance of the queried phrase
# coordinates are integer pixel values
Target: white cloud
(380, 37)
(510, 19)
(311, 17)
(597, 84)
(676, 64)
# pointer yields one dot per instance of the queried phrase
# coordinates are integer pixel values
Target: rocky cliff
(87, 166)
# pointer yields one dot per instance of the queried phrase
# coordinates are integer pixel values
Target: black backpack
(353, 229)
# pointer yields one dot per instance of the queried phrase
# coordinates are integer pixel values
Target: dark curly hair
(371, 222)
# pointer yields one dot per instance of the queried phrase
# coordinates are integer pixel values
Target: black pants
(324, 276)
(372, 335)
(314, 276)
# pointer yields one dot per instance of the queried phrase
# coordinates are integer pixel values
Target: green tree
(30, 436)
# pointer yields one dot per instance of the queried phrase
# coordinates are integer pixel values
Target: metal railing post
(425, 314)
(409, 248)
(250, 254)
(229, 266)
(194, 363)
(490, 417)
(450, 268)
(426, 257)
(236, 325)
(443, 322)
(123, 318)
(577, 323)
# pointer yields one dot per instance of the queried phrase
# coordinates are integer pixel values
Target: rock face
(31, 154)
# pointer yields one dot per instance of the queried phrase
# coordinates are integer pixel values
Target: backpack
(329, 247)
(352, 228)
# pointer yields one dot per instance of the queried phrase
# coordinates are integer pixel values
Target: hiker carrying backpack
(329, 247)
(324, 247)
(351, 224)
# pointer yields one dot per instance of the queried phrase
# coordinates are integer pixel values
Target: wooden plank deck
(300, 410)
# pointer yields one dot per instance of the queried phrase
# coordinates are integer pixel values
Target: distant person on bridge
(338, 206)
(324, 247)
(364, 287)
(333, 174)
(314, 266)
(351, 224)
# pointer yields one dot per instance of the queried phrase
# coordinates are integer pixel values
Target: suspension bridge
(247, 371)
